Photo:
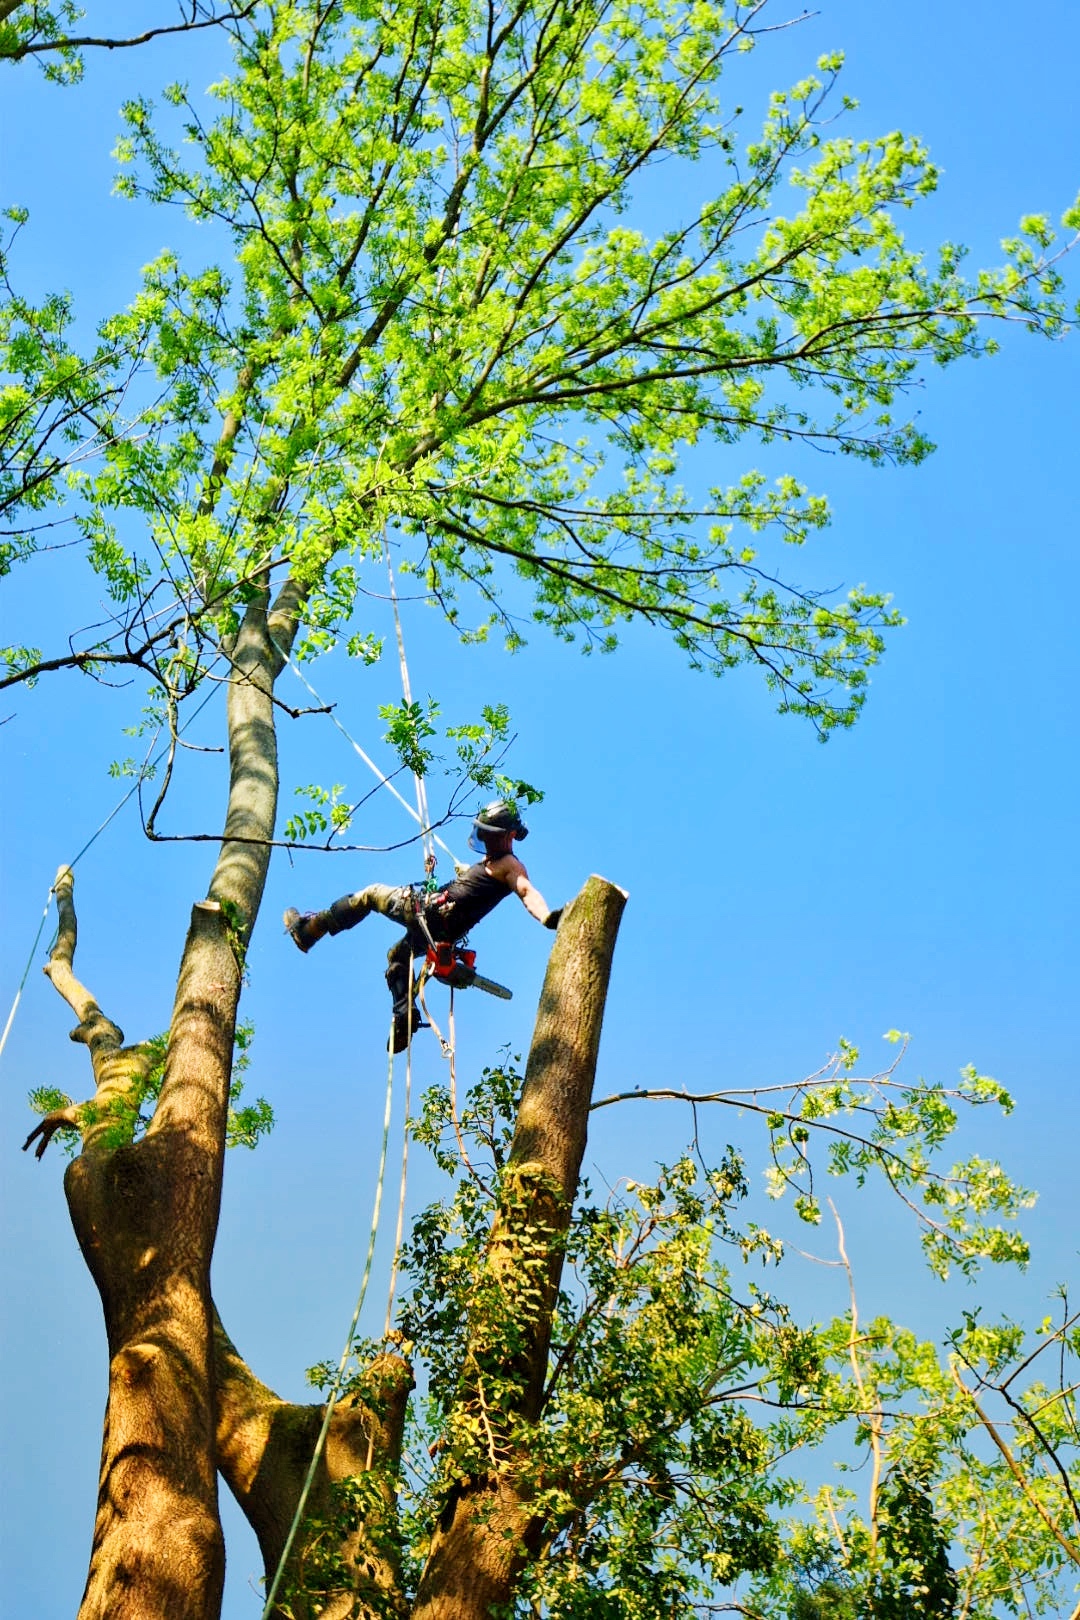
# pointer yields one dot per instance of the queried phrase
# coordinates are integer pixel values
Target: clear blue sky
(918, 872)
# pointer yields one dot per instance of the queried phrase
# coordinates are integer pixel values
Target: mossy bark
(489, 1528)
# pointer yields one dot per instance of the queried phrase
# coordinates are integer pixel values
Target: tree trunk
(145, 1213)
(488, 1528)
(145, 1216)
(265, 1446)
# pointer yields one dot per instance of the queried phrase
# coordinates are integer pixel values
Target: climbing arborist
(446, 914)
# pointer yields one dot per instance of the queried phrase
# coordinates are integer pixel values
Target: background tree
(363, 365)
(54, 38)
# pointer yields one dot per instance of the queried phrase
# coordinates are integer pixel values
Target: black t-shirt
(460, 904)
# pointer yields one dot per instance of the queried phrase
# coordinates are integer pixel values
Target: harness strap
(414, 905)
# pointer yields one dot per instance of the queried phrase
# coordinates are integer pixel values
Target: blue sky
(918, 872)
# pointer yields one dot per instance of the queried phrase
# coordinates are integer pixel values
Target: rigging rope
(26, 973)
(145, 770)
(406, 688)
(368, 761)
(422, 816)
(401, 1197)
(339, 1376)
(451, 1056)
(48, 898)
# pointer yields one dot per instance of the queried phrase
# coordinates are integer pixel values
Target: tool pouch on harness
(414, 904)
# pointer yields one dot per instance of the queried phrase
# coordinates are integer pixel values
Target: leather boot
(307, 927)
(406, 1022)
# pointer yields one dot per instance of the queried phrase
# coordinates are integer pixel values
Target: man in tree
(447, 914)
(436, 323)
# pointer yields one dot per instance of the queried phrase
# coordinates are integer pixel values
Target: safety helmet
(498, 817)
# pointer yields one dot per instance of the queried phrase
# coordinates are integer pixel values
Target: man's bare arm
(514, 875)
(531, 898)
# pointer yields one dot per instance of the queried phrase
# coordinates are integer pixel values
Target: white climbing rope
(350, 1337)
(366, 758)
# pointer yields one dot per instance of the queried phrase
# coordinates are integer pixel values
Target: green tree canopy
(440, 320)
(427, 323)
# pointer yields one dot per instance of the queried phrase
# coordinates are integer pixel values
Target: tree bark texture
(145, 1213)
(265, 1446)
(488, 1529)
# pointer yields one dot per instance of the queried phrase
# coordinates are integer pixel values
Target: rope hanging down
(422, 817)
(406, 690)
(339, 1376)
(400, 1230)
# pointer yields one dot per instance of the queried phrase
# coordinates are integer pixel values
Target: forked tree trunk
(146, 1213)
(265, 1447)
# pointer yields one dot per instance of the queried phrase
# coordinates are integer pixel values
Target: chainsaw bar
(461, 977)
(492, 988)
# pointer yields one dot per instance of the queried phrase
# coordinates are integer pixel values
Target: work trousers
(395, 903)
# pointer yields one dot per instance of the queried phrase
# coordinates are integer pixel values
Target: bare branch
(72, 42)
(1068, 1546)
(94, 1029)
(48, 1127)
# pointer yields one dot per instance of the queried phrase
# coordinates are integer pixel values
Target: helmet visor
(482, 829)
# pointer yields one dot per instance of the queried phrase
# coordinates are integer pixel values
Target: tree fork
(488, 1528)
(145, 1214)
(265, 1446)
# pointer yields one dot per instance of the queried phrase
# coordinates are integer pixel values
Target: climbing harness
(447, 960)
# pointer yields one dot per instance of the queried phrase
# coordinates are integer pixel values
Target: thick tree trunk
(145, 1217)
(265, 1446)
(489, 1529)
(146, 1213)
